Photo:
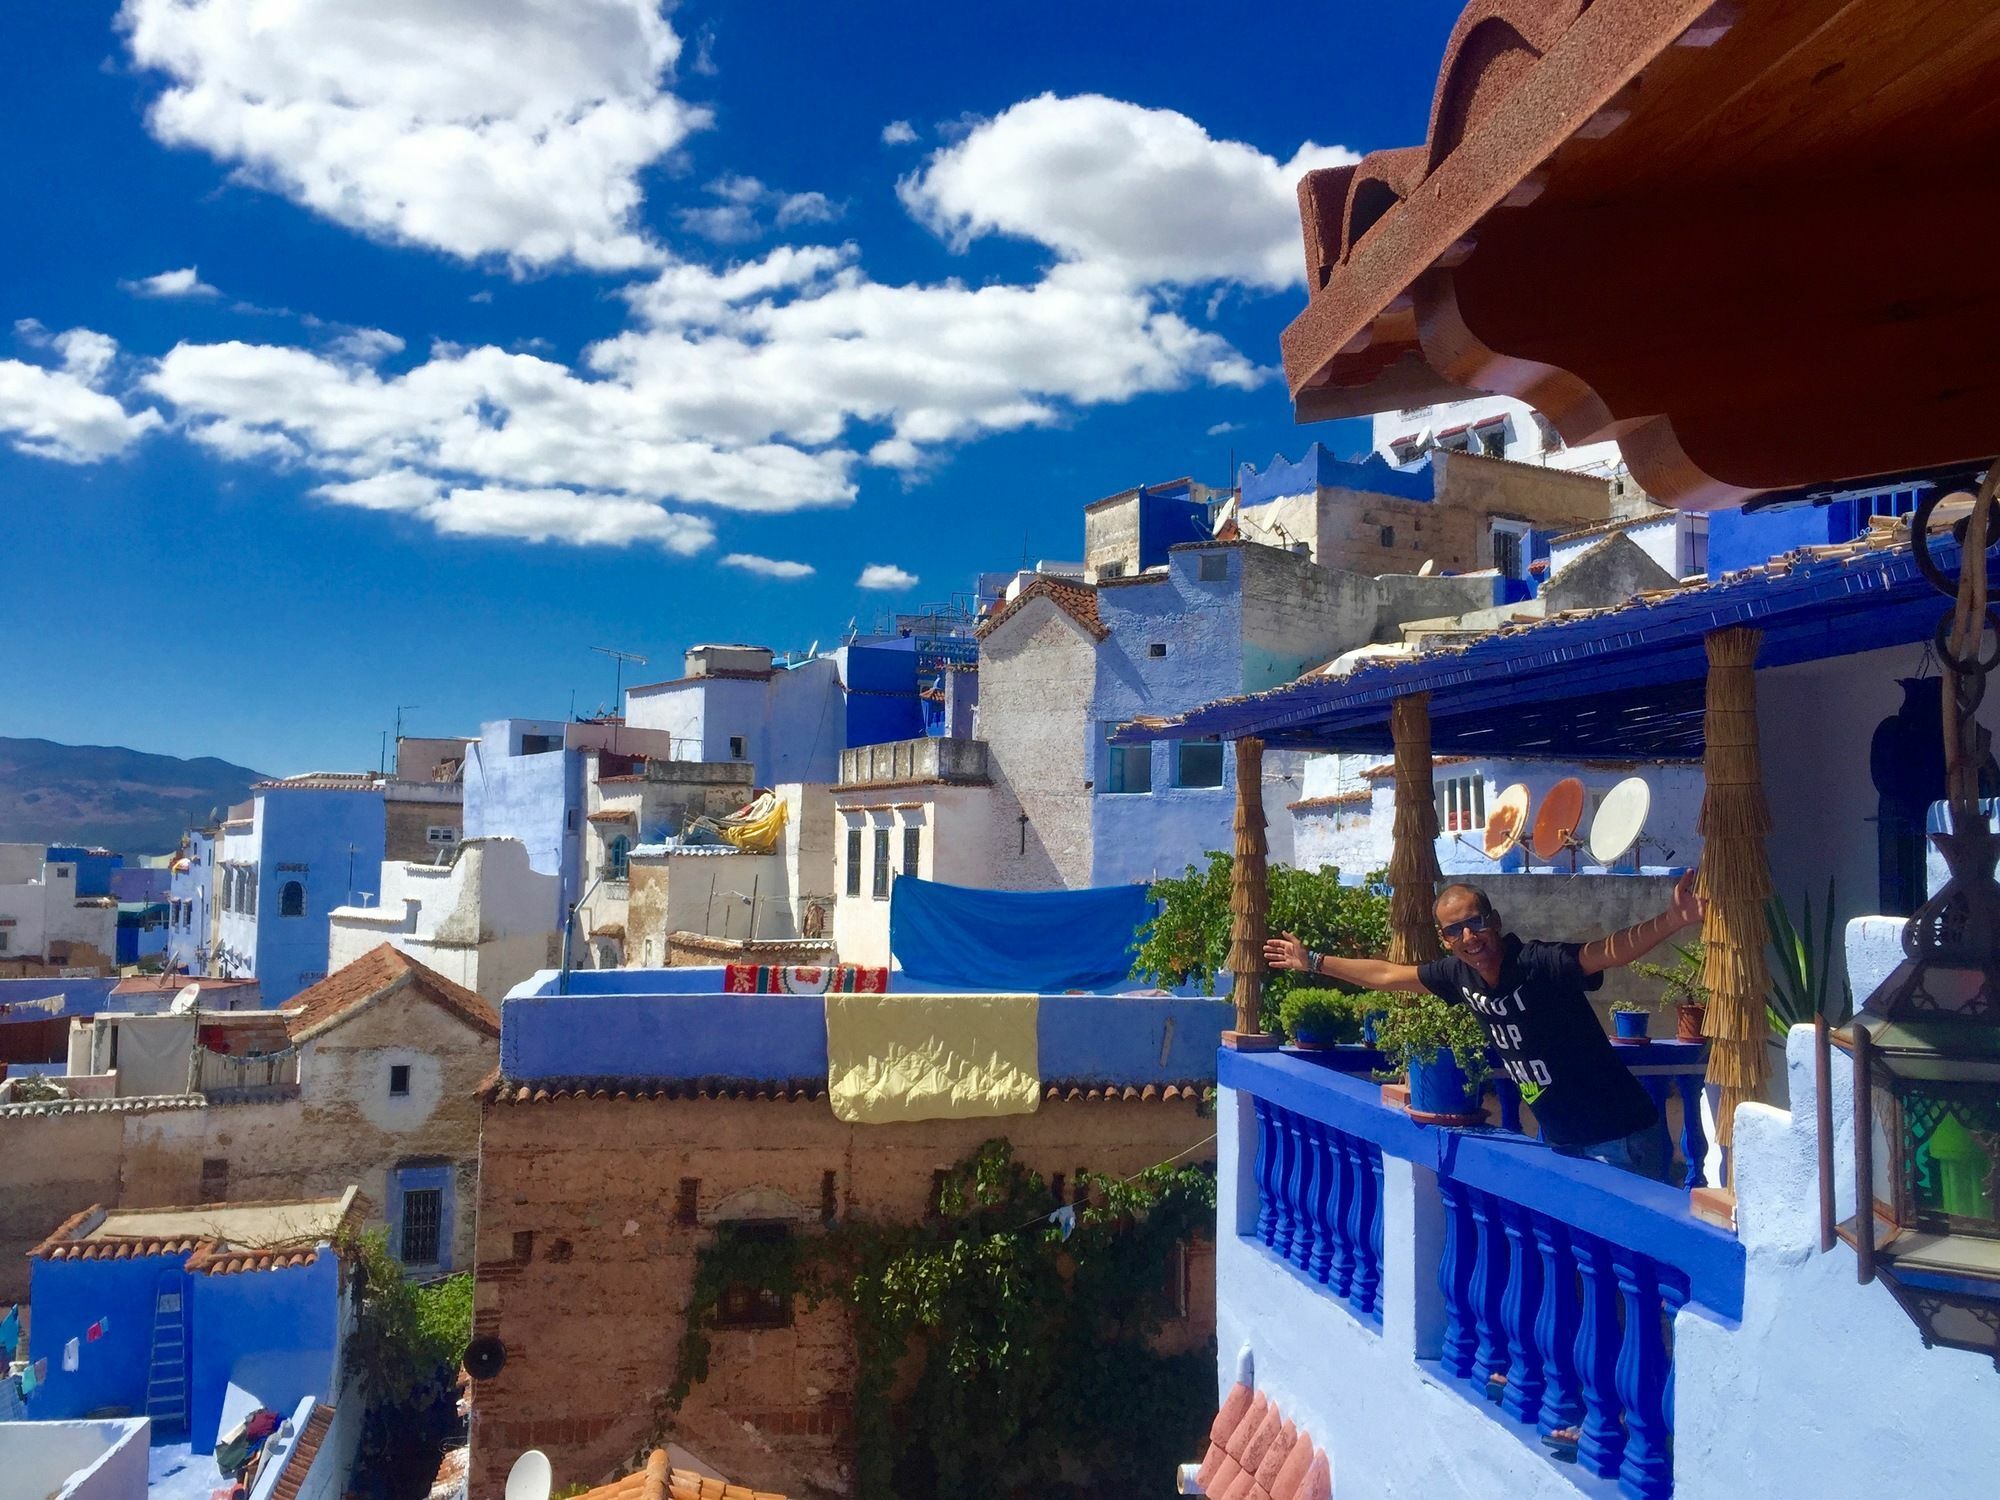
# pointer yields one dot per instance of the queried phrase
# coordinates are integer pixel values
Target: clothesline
(1063, 1216)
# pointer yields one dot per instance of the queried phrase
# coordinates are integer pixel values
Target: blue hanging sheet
(1030, 941)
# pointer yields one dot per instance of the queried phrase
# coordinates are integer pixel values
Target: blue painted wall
(93, 869)
(1317, 468)
(279, 1329)
(80, 997)
(338, 837)
(1739, 540)
(537, 799)
(1168, 516)
(882, 702)
(66, 1297)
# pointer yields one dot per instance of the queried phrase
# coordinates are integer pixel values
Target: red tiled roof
(796, 1091)
(207, 1254)
(1338, 799)
(1388, 767)
(1077, 600)
(300, 1460)
(381, 971)
(1254, 1453)
(608, 815)
(660, 1480)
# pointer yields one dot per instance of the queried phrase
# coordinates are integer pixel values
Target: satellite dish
(1620, 820)
(1430, 563)
(1556, 823)
(485, 1357)
(186, 1000)
(1507, 822)
(531, 1478)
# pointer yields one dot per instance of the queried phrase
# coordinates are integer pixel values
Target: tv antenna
(618, 691)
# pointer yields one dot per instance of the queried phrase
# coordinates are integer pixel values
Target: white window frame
(1461, 804)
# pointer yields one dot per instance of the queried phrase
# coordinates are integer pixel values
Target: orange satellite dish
(1556, 823)
(1507, 822)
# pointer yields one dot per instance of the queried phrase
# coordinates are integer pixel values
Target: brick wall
(406, 832)
(584, 1267)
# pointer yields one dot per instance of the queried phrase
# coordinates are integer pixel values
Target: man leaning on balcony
(1532, 998)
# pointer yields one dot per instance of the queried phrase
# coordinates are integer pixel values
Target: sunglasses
(1484, 922)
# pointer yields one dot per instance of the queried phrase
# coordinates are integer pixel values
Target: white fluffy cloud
(580, 518)
(739, 215)
(61, 413)
(885, 576)
(1146, 193)
(898, 133)
(185, 282)
(513, 128)
(767, 567)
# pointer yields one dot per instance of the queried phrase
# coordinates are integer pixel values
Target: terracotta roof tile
(1360, 797)
(300, 1460)
(1255, 1453)
(1077, 600)
(796, 1091)
(659, 1480)
(207, 1255)
(376, 974)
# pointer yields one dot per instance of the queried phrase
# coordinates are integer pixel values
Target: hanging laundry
(70, 1355)
(10, 1333)
(1064, 1219)
(94, 1332)
(29, 1379)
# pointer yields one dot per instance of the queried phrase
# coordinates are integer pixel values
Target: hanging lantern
(1926, 1043)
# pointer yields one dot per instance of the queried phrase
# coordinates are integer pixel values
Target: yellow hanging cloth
(932, 1057)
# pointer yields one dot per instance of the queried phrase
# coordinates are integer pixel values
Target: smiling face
(1460, 911)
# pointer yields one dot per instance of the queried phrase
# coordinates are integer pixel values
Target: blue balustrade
(1558, 1279)
(1319, 1203)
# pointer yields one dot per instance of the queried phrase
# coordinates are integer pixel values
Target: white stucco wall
(956, 826)
(74, 1460)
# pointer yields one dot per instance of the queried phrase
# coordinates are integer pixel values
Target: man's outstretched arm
(1635, 942)
(1287, 952)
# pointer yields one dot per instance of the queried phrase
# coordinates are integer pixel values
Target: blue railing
(1558, 1279)
(1319, 1194)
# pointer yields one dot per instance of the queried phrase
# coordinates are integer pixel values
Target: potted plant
(1630, 1020)
(1317, 1019)
(1441, 1047)
(1680, 985)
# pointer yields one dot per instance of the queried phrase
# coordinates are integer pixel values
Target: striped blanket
(804, 979)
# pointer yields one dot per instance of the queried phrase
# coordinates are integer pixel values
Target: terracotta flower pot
(1687, 1021)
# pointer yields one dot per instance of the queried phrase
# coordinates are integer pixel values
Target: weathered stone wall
(585, 1267)
(406, 829)
(1037, 676)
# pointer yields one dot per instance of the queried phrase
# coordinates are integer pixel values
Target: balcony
(900, 762)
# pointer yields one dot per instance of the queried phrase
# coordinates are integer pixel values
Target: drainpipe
(569, 927)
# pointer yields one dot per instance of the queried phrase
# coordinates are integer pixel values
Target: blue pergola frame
(1626, 682)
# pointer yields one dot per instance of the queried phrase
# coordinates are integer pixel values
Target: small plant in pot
(1441, 1047)
(1631, 1020)
(1681, 987)
(1319, 1018)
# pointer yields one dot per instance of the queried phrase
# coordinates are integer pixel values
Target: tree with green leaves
(405, 1350)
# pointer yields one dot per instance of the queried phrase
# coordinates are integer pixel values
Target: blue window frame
(621, 850)
(1198, 763)
(420, 1211)
(1128, 769)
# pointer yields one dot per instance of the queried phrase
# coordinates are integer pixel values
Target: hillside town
(1462, 962)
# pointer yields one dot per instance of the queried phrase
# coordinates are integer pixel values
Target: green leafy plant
(1325, 1015)
(1189, 938)
(1633, 1007)
(1802, 981)
(1680, 981)
(405, 1350)
(994, 1357)
(1419, 1027)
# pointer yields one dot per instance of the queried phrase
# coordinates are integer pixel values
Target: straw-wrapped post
(1249, 895)
(1735, 878)
(1413, 865)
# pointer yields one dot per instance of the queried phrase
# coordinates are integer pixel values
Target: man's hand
(1285, 952)
(1687, 908)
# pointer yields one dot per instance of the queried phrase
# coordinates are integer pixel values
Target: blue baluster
(1367, 1205)
(1489, 1285)
(1673, 1297)
(1339, 1212)
(1694, 1139)
(1459, 1342)
(1520, 1304)
(1374, 1154)
(1601, 1443)
(1555, 1326)
(1284, 1191)
(1267, 1153)
(1647, 1472)
(1326, 1188)
(1305, 1171)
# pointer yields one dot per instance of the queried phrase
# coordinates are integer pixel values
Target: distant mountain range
(105, 795)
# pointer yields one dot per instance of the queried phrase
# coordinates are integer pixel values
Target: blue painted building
(302, 847)
(94, 867)
(190, 902)
(1743, 539)
(736, 703)
(200, 1313)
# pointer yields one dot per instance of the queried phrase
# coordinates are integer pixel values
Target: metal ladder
(166, 1376)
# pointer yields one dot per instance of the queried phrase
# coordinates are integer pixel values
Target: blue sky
(357, 352)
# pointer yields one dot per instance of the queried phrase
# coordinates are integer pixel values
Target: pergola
(1747, 239)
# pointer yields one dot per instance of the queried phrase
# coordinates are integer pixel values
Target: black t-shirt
(1549, 1040)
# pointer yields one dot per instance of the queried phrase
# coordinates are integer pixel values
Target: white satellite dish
(1430, 563)
(1621, 818)
(531, 1478)
(188, 997)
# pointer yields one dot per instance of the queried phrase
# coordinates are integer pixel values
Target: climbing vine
(994, 1357)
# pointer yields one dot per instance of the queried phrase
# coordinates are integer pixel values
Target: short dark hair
(1461, 888)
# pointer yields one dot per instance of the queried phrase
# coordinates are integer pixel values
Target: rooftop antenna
(401, 709)
(618, 691)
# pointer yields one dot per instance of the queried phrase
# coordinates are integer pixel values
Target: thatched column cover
(1413, 865)
(1249, 899)
(1735, 878)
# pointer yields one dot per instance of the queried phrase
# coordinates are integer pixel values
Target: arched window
(292, 899)
(621, 849)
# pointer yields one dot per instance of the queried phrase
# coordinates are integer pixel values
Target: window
(620, 853)
(1157, 649)
(736, 747)
(1462, 805)
(1214, 567)
(399, 1080)
(854, 861)
(881, 889)
(569, 820)
(1198, 763)
(1128, 768)
(292, 899)
(250, 890)
(539, 744)
(1510, 548)
(1490, 438)
(1386, 537)
(423, 1218)
(687, 1202)
(1110, 570)
(6, 939)
(438, 834)
(747, 1302)
(913, 848)
(214, 1177)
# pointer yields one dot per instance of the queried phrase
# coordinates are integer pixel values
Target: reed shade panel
(1249, 896)
(1963, 757)
(1735, 878)
(1413, 865)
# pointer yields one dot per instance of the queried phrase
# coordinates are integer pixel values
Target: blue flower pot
(1439, 1090)
(1309, 1035)
(1630, 1026)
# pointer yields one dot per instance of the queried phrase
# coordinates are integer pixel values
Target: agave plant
(1802, 981)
